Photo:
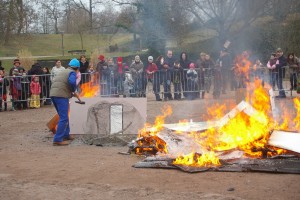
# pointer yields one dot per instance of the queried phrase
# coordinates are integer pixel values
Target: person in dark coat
(83, 69)
(184, 63)
(3, 91)
(281, 72)
(166, 77)
(177, 78)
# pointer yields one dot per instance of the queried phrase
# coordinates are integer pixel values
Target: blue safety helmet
(74, 63)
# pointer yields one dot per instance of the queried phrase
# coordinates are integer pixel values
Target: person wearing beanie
(101, 57)
(137, 71)
(16, 65)
(15, 84)
(101, 69)
(120, 75)
(153, 77)
(62, 89)
(128, 82)
(192, 82)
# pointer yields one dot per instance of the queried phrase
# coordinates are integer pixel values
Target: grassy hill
(49, 46)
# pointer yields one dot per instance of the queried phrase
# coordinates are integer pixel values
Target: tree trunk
(91, 16)
(9, 23)
(81, 39)
(21, 15)
(56, 25)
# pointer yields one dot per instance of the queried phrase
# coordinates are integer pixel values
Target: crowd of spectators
(168, 77)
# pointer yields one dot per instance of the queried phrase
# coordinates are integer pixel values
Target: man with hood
(62, 89)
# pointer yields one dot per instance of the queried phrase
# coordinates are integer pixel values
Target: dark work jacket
(280, 67)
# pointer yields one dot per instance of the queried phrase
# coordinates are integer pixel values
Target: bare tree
(53, 11)
(226, 17)
(88, 8)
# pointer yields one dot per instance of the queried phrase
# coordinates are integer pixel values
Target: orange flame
(208, 159)
(247, 132)
(158, 124)
(151, 131)
(89, 89)
(297, 118)
(242, 66)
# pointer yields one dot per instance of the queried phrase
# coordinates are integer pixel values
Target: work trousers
(63, 128)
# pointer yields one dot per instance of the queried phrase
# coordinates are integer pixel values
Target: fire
(297, 118)
(89, 89)
(148, 136)
(208, 159)
(158, 123)
(248, 130)
(242, 66)
(244, 131)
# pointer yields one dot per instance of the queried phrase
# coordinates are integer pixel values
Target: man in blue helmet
(62, 89)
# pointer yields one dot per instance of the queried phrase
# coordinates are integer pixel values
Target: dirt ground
(31, 168)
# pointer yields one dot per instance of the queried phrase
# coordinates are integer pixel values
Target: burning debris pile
(245, 139)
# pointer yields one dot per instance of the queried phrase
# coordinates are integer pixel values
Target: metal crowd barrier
(170, 84)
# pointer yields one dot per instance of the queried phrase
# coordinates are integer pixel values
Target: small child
(92, 72)
(78, 79)
(35, 89)
(128, 82)
(192, 82)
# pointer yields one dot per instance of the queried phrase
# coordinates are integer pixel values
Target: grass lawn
(51, 45)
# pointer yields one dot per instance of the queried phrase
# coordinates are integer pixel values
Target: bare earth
(31, 168)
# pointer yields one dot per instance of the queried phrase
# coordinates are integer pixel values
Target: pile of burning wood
(245, 139)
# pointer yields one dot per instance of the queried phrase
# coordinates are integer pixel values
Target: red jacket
(151, 69)
(35, 88)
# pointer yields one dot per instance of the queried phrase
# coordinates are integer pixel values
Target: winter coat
(151, 70)
(177, 75)
(35, 87)
(136, 69)
(280, 66)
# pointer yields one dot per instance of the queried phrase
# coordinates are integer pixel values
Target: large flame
(246, 132)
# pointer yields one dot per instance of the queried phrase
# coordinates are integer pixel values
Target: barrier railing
(164, 84)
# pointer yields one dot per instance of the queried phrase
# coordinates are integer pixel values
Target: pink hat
(192, 65)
